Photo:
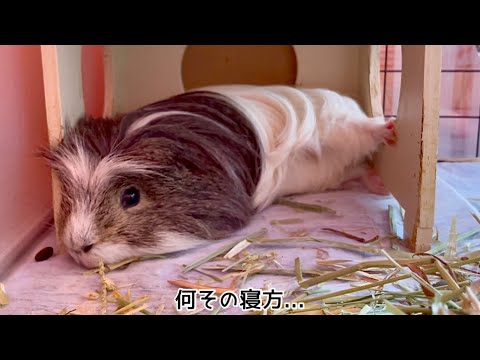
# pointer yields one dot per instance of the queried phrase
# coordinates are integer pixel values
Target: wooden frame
(137, 75)
(409, 169)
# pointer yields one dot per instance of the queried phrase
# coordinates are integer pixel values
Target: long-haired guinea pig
(197, 166)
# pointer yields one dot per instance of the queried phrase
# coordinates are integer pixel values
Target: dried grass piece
(136, 310)
(451, 295)
(125, 305)
(246, 273)
(446, 264)
(239, 261)
(357, 289)
(3, 296)
(160, 309)
(360, 266)
(436, 235)
(383, 282)
(421, 273)
(298, 270)
(211, 276)
(451, 250)
(286, 221)
(333, 262)
(415, 276)
(438, 307)
(225, 249)
(310, 312)
(216, 311)
(395, 310)
(362, 249)
(350, 236)
(242, 245)
(185, 284)
(64, 311)
(440, 247)
(452, 284)
(475, 286)
(415, 309)
(129, 306)
(470, 302)
(391, 216)
(342, 310)
(278, 264)
(262, 270)
(123, 264)
(369, 277)
(299, 233)
(110, 284)
(104, 287)
(476, 217)
(303, 206)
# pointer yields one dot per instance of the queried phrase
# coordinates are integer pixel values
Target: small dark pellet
(44, 254)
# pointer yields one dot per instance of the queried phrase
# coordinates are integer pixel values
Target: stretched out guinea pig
(197, 166)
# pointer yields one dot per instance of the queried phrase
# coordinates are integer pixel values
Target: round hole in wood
(205, 65)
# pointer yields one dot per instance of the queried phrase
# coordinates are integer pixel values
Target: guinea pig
(197, 166)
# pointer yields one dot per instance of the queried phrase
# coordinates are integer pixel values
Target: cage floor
(59, 283)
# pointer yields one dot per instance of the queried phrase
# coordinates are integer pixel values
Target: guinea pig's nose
(87, 248)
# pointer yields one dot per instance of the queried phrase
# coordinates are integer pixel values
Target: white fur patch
(78, 165)
(80, 226)
(109, 253)
(83, 172)
(171, 242)
(294, 123)
(144, 121)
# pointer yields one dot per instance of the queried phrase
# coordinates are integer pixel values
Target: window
(459, 127)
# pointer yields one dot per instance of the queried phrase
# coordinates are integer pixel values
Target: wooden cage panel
(62, 77)
(409, 168)
(204, 65)
(138, 75)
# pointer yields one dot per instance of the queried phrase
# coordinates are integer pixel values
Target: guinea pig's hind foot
(374, 183)
(383, 131)
(387, 132)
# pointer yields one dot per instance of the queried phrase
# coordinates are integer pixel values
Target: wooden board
(409, 168)
(62, 77)
(137, 75)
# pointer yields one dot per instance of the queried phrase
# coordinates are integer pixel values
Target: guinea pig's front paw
(389, 132)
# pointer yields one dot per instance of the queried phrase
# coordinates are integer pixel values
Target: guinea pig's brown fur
(190, 185)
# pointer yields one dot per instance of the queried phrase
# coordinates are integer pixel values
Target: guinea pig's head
(155, 190)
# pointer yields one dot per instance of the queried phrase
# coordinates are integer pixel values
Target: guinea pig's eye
(130, 197)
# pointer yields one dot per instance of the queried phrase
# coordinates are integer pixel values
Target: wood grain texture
(137, 75)
(62, 77)
(409, 167)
